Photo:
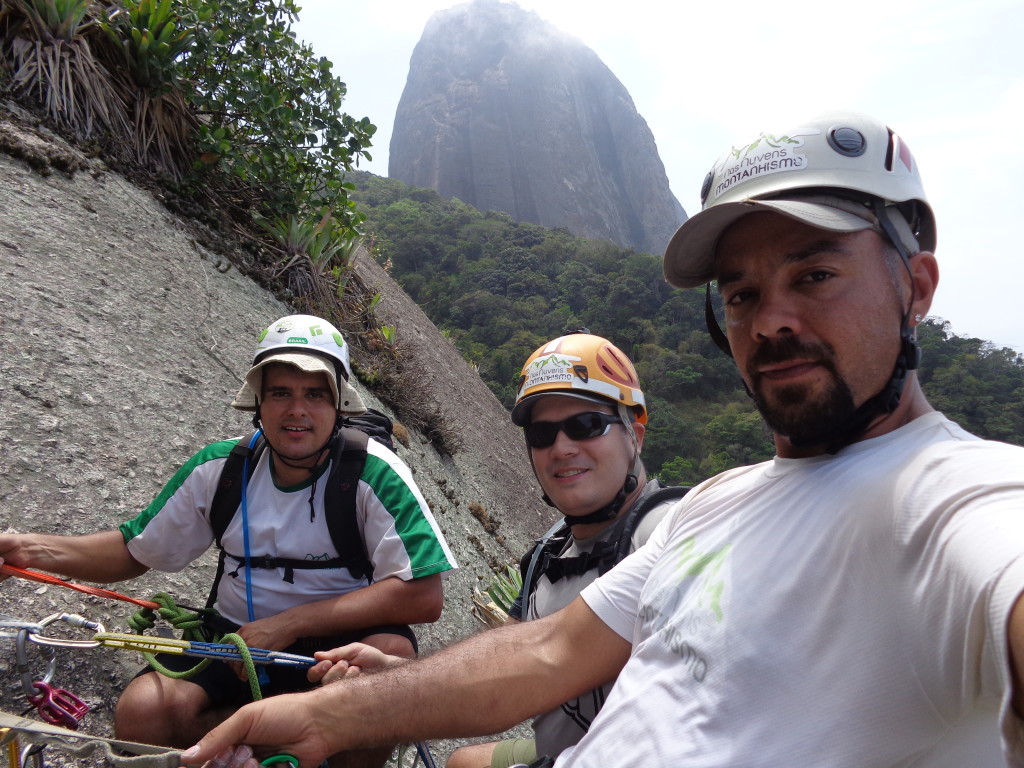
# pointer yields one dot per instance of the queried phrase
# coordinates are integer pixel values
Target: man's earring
(917, 318)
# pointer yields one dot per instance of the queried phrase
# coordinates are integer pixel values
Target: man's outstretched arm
(98, 557)
(482, 685)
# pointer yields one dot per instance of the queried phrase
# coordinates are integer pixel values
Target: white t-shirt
(401, 536)
(560, 728)
(846, 611)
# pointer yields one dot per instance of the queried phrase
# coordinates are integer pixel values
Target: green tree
(271, 109)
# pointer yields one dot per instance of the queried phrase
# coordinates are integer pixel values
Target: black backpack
(543, 558)
(348, 455)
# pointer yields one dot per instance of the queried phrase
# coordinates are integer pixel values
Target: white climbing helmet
(310, 344)
(832, 173)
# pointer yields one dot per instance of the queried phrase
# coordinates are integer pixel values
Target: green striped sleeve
(426, 555)
(132, 528)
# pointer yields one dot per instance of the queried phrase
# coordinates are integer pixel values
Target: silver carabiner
(35, 751)
(21, 664)
(9, 622)
(74, 620)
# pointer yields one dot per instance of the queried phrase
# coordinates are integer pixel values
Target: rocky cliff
(507, 113)
(123, 340)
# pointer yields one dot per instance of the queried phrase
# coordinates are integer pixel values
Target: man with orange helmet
(583, 416)
(855, 601)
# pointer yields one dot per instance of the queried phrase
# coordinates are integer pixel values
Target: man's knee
(395, 645)
(472, 756)
(152, 708)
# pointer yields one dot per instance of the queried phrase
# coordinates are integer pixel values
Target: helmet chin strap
(611, 510)
(605, 513)
(885, 401)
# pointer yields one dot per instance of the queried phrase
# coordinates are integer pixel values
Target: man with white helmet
(856, 601)
(583, 416)
(284, 579)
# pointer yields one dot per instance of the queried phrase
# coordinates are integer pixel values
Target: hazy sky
(948, 75)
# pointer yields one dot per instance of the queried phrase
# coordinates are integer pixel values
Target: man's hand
(270, 634)
(289, 723)
(98, 557)
(347, 661)
(234, 757)
(12, 551)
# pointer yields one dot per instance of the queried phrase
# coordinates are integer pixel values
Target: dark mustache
(788, 348)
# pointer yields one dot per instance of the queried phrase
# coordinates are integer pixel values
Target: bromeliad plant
(317, 252)
(491, 607)
(152, 39)
(48, 47)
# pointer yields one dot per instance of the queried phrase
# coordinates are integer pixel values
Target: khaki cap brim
(346, 399)
(690, 256)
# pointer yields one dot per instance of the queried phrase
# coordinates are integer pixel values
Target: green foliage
(680, 471)
(151, 37)
(46, 47)
(505, 587)
(217, 86)
(323, 244)
(317, 253)
(55, 19)
(499, 289)
(271, 109)
(390, 334)
(973, 382)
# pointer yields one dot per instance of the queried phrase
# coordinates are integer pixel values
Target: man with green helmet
(856, 601)
(287, 580)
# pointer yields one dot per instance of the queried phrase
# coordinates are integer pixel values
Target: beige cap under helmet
(310, 344)
(831, 173)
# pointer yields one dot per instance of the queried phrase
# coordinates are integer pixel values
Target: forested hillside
(499, 289)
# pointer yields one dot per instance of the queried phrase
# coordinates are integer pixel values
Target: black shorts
(225, 689)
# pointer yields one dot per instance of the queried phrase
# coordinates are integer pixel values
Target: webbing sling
(544, 560)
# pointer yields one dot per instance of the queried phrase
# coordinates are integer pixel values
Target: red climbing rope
(45, 578)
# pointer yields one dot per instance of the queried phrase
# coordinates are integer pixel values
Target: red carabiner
(57, 706)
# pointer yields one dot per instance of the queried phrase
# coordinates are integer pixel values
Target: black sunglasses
(582, 426)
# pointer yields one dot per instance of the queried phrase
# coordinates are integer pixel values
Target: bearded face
(804, 414)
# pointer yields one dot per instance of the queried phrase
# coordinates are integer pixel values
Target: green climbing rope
(191, 623)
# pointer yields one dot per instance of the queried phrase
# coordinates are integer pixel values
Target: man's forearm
(391, 601)
(98, 557)
(480, 686)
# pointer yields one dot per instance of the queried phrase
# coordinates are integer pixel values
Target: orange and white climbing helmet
(843, 172)
(579, 365)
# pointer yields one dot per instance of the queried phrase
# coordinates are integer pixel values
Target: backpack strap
(533, 565)
(347, 461)
(228, 496)
(348, 457)
(605, 554)
(229, 488)
(625, 538)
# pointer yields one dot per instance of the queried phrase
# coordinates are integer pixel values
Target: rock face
(124, 340)
(507, 113)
